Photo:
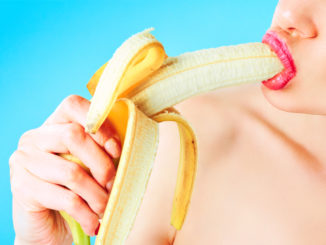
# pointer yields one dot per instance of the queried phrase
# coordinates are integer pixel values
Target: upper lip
(279, 45)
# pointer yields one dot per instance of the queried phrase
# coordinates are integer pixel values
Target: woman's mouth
(280, 48)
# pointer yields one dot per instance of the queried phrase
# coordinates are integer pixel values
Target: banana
(78, 235)
(140, 138)
(135, 90)
(187, 165)
(201, 71)
(133, 61)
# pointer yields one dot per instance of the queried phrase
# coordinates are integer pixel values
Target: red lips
(282, 51)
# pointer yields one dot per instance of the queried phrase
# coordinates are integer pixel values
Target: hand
(43, 183)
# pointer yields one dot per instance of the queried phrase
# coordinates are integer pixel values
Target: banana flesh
(132, 62)
(150, 81)
(201, 71)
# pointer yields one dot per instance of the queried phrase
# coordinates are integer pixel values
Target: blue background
(50, 49)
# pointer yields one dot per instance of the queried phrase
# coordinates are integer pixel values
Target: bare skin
(261, 170)
(43, 183)
(261, 176)
(264, 181)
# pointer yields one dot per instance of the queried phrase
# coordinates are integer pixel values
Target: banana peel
(136, 90)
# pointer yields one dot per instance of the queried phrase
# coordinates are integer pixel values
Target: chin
(285, 100)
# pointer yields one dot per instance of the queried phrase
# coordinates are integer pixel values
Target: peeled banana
(135, 90)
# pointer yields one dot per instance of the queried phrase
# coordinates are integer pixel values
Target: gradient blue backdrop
(50, 49)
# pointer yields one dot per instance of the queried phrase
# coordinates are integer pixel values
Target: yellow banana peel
(135, 90)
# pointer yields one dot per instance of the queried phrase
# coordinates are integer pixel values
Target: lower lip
(279, 47)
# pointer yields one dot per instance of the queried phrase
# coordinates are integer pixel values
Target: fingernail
(110, 184)
(97, 229)
(112, 147)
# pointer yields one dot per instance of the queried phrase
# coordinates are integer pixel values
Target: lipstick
(280, 48)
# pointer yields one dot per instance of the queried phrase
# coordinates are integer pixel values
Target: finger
(74, 109)
(55, 197)
(54, 169)
(71, 138)
(113, 147)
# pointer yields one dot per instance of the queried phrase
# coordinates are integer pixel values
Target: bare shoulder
(215, 119)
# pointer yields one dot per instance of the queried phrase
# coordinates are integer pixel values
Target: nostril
(295, 33)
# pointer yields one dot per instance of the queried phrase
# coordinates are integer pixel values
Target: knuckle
(74, 133)
(71, 102)
(73, 175)
(15, 158)
(17, 180)
(108, 172)
(16, 186)
(74, 202)
(99, 207)
(25, 137)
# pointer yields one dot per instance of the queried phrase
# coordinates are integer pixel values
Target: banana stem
(78, 235)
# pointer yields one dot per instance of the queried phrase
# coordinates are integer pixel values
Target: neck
(307, 130)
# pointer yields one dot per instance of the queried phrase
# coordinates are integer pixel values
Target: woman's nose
(296, 18)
